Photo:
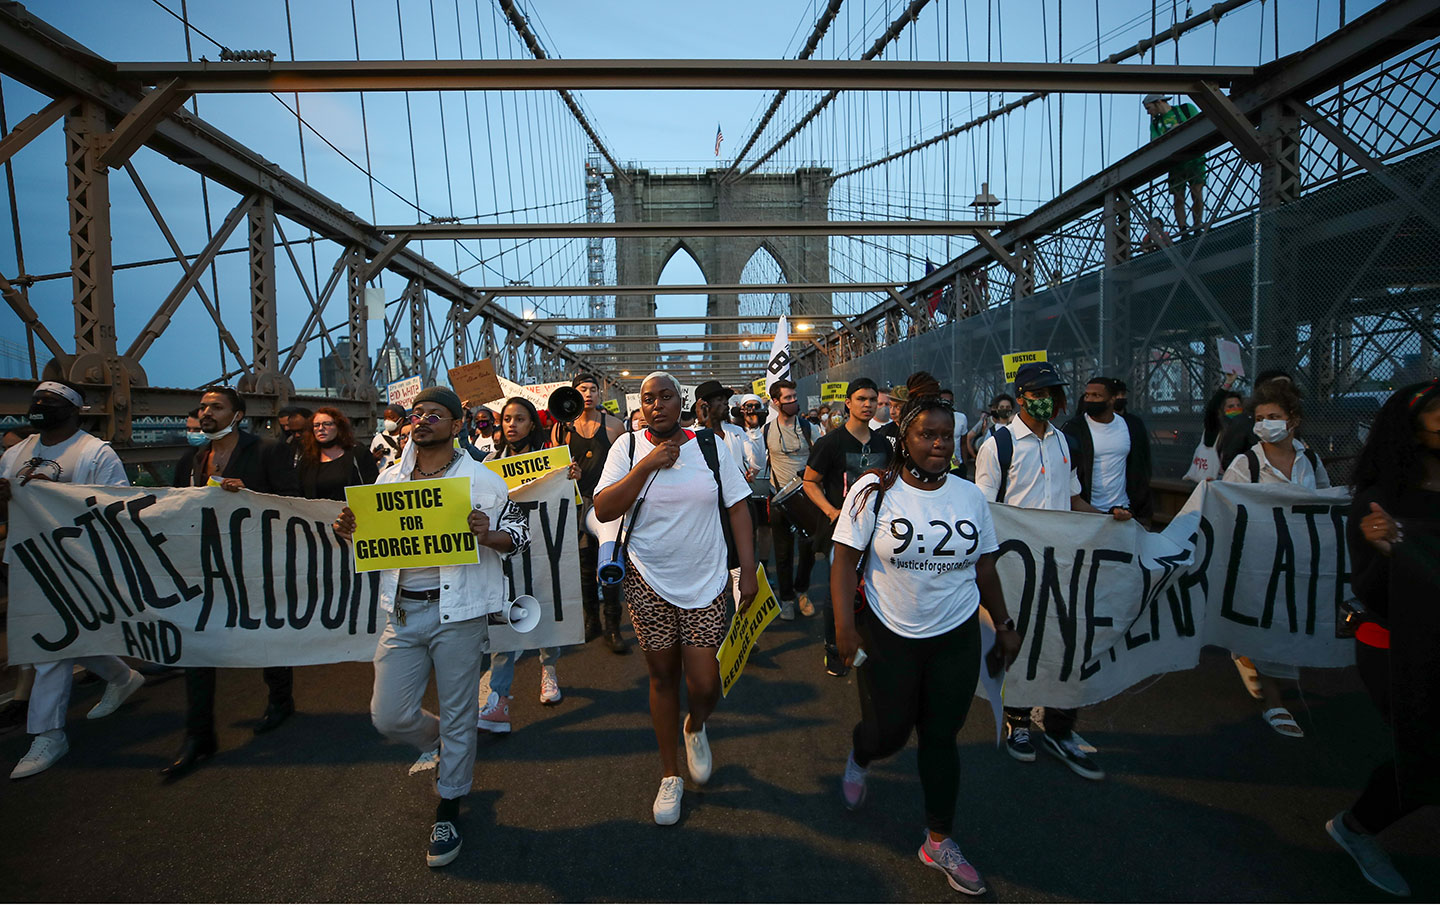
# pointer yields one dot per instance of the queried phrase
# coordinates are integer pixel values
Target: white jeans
(50, 697)
(403, 660)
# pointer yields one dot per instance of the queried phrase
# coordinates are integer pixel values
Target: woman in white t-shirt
(676, 569)
(1279, 458)
(928, 546)
(1221, 410)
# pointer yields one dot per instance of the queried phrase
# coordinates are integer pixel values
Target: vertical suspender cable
(15, 231)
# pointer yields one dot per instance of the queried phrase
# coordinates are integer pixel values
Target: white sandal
(1283, 722)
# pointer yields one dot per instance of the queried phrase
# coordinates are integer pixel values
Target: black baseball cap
(710, 389)
(1035, 375)
(860, 384)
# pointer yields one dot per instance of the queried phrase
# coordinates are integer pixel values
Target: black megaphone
(565, 404)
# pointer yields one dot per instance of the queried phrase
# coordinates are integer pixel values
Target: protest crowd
(677, 517)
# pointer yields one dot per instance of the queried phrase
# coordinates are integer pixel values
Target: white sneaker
(495, 717)
(667, 801)
(697, 753)
(787, 609)
(44, 752)
(549, 685)
(116, 694)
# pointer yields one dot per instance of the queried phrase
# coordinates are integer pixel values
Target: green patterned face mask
(1042, 409)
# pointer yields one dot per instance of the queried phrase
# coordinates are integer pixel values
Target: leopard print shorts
(660, 625)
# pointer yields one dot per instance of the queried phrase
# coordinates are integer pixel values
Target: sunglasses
(431, 419)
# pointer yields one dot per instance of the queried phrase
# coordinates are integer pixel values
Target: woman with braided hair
(925, 546)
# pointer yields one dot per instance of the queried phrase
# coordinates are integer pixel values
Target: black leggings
(921, 684)
(1385, 800)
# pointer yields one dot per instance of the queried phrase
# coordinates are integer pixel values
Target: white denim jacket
(473, 590)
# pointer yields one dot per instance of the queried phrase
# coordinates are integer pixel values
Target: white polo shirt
(1042, 474)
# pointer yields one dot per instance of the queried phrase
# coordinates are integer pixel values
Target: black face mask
(48, 415)
(1094, 408)
(666, 435)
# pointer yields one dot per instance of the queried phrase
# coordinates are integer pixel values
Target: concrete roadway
(1203, 802)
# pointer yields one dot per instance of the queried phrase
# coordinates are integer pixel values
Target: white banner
(203, 576)
(779, 366)
(1257, 569)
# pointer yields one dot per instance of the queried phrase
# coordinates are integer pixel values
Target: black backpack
(1254, 462)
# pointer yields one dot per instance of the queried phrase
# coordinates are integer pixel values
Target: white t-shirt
(81, 459)
(382, 443)
(920, 577)
(677, 543)
(738, 443)
(1107, 473)
(1204, 463)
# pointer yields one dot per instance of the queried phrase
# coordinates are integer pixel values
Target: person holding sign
(520, 434)
(1278, 458)
(676, 569)
(589, 438)
(437, 617)
(232, 459)
(931, 570)
(1221, 411)
(61, 452)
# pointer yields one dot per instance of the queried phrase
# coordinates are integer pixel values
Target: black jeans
(1385, 800)
(794, 577)
(925, 685)
(1058, 722)
(200, 696)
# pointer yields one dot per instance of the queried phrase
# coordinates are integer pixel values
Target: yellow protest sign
(526, 468)
(613, 406)
(757, 387)
(1013, 361)
(412, 524)
(745, 630)
(831, 391)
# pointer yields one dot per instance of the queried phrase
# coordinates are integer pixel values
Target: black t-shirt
(841, 459)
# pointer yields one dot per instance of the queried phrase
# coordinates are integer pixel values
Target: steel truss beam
(676, 75)
(685, 319)
(689, 289)
(691, 228)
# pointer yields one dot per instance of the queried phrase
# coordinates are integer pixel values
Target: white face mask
(217, 435)
(391, 426)
(1272, 431)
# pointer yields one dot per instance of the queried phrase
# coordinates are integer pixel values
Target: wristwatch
(1007, 624)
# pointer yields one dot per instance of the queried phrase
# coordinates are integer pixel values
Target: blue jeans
(502, 668)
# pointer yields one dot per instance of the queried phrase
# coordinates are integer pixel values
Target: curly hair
(1281, 394)
(344, 434)
(922, 395)
(1391, 460)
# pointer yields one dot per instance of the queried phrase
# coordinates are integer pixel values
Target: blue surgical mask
(196, 438)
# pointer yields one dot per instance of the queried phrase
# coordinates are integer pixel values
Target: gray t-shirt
(788, 449)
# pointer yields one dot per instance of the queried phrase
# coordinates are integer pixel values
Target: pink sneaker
(852, 789)
(495, 717)
(946, 857)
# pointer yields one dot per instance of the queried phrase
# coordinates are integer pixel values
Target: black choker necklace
(924, 475)
(664, 436)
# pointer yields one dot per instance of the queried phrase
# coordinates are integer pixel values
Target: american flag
(719, 137)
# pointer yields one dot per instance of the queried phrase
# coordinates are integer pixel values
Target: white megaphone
(523, 614)
(611, 570)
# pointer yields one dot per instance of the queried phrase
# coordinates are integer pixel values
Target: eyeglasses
(319, 425)
(430, 419)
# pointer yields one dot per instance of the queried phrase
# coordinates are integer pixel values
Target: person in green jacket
(1164, 118)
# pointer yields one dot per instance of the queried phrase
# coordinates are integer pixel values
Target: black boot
(193, 751)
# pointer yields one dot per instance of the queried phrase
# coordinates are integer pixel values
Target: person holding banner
(232, 459)
(386, 445)
(1393, 536)
(1278, 458)
(1112, 453)
(676, 569)
(589, 438)
(520, 434)
(328, 460)
(918, 618)
(61, 452)
(438, 617)
(1028, 464)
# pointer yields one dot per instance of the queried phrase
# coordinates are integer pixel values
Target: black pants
(589, 584)
(200, 696)
(1058, 722)
(1385, 800)
(921, 684)
(826, 548)
(794, 577)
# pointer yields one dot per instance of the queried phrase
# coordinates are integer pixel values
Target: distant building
(393, 362)
(334, 366)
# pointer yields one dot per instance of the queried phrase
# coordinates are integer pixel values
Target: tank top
(590, 453)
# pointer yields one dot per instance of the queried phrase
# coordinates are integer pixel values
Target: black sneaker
(835, 666)
(1017, 743)
(1069, 752)
(444, 844)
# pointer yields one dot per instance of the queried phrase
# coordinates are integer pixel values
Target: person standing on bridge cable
(919, 615)
(788, 442)
(520, 434)
(233, 459)
(1028, 464)
(61, 452)
(1191, 173)
(673, 487)
(438, 617)
(589, 438)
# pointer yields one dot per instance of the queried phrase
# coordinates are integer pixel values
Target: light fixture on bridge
(624, 374)
(745, 343)
(985, 203)
(802, 326)
(529, 315)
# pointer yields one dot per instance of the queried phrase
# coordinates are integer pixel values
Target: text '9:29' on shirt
(920, 577)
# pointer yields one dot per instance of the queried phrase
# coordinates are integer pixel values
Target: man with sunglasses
(437, 617)
(836, 462)
(388, 442)
(294, 426)
(233, 459)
